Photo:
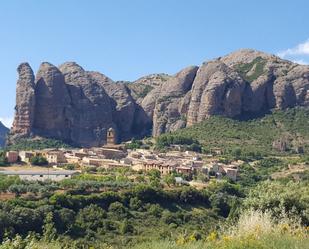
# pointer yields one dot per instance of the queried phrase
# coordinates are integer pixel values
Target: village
(185, 164)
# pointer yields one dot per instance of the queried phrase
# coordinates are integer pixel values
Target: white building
(42, 175)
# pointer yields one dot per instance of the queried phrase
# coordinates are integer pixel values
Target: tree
(49, 230)
(91, 218)
(135, 203)
(169, 179)
(18, 189)
(125, 227)
(38, 160)
(117, 210)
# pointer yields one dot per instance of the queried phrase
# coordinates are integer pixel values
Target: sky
(127, 39)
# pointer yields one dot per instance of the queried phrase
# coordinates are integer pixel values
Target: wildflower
(213, 236)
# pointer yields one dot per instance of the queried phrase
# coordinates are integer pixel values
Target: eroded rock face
(171, 103)
(51, 102)
(89, 113)
(79, 106)
(122, 104)
(25, 101)
(216, 90)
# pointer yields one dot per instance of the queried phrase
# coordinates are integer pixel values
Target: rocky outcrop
(3, 133)
(78, 106)
(170, 103)
(216, 90)
(89, 113)
(51, 103)
(121, 102)
(25, 101)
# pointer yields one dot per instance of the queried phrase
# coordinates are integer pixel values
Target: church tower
(111, 137)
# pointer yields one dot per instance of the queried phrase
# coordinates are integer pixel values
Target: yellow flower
(285, 228)
(181, 240)
(227, 238)
(213, 236)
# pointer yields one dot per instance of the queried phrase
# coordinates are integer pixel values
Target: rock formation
(25, 101)
(3, 133)
(79, 106)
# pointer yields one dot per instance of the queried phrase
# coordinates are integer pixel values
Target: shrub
(38, 160)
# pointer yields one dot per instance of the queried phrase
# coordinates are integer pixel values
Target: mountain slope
(256, 135)
(78, 106)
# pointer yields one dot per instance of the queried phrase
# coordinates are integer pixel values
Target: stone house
(25, 156)
(184, 170)
(55, 157)
(164, 168)
(12, 156)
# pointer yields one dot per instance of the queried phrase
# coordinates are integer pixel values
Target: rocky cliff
(3, 132)
(78, 106)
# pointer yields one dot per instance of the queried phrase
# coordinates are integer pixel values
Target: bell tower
(111, 137)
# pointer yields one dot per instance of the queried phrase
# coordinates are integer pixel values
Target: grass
(254, 230)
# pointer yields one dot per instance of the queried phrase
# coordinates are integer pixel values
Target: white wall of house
(44, 177)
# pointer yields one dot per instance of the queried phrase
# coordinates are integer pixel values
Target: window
(41, 175)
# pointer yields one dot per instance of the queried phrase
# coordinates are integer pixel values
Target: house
(217, 151)
(164, 168)
(99, 162)
(79, 154)
(184, 170)
(231, 173)
(72, 159)
(25, 156)
(42, 175)
(55, 157)
(12, 156)
(126, 160)
(219, 170)
(135, 154)
(111, 153)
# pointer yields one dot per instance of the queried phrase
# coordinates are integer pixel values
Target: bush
(135, 144)
(38, 160)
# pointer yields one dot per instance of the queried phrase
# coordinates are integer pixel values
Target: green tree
(38, 160)
(169, 179)
(49, 230)
(126, 227)
(91, 218)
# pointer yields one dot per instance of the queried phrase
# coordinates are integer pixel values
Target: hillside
(255, 135)
(3, 133)
(77, 106)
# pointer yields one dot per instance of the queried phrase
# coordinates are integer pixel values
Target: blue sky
(128, 39)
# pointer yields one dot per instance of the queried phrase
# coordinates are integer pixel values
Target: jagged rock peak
(25, 101)
(70, 67)
(79, 106)
(26, 75)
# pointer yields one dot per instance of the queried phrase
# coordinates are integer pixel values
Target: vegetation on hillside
(254, 136)
(114, 210)
(37, 144)
(251, 71)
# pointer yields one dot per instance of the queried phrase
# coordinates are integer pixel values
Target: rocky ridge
(78, 106)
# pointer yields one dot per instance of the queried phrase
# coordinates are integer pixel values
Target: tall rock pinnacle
(25, 101)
